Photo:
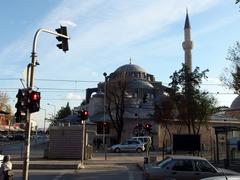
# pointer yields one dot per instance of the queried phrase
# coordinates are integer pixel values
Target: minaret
(187, 43)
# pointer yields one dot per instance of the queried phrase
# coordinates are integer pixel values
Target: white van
(142, 139)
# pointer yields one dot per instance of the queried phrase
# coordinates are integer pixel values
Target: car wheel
(117, 150)
(139, 150)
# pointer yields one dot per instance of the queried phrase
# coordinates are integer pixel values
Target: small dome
(236, 103)
(140, 84)
(130, 68)
(98, 95)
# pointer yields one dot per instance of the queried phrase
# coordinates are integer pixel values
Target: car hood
(227, 171)
(116, 145)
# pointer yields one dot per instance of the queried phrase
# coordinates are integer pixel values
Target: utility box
(65, 142)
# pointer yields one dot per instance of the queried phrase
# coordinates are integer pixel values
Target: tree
(231, 75)
(62, 113)
(115, 104)
(237, 1)
(194, 107)
(164, 114)
(5, 106)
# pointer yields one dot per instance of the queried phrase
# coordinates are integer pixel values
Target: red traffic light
(34, 104)
(84, 114)
(35, 96)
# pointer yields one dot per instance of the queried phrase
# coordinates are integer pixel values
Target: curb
(49, 165)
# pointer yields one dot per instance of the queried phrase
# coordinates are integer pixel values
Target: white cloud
(68, 23)
(72, 96)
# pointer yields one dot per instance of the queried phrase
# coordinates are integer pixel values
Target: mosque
(142, 93)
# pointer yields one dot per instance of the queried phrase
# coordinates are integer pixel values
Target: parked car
(222, 178)
(3, 138)
(143, 139)
(10, 137)
(183, 168)
(18, 137)
(129, 145)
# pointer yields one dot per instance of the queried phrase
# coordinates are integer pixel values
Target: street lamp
(104, 114)
(53, 107)
(44, 122)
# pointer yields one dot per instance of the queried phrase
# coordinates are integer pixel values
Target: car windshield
(164, 162)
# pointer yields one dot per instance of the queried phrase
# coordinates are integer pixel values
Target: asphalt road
(91, 172)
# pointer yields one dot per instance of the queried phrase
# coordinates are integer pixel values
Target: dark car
(18, 137)
(3, 138)
(183, 168)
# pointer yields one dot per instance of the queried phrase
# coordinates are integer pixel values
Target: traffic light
(148, 128)
(63, 41)
(19, 117)
(84, 114)
(34, 101)
(22, 100)
(21, 105)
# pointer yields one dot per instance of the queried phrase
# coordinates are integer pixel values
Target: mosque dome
(135, 84)
(130, 68)
(236, 103)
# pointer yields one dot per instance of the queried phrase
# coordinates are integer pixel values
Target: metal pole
(28, 123)
(217, 147)
(53, 107)
(45, 117)
(83, 143)
(104, 115)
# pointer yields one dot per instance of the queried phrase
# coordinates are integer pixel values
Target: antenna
(22, 81)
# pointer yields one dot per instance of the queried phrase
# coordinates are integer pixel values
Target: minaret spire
(187, 23)
(187, 43)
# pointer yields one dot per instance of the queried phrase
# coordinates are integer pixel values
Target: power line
(57, 80)
(87, 81)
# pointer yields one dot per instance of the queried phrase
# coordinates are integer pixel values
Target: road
(91, 172)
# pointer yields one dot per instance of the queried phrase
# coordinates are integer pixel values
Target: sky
(105, 34)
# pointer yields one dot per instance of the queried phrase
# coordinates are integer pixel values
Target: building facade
(141, 95)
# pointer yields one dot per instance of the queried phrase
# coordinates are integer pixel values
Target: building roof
(140, 84)
(235, 104)
(99, 117)
(130, 68)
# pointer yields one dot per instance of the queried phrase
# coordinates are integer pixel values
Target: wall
(65, 142)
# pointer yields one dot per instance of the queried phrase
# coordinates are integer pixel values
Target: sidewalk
(98, 159)
(76, 164)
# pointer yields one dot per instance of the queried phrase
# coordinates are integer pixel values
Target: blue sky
(104, 35)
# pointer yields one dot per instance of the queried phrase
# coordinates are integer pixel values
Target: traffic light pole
(28, 123)
(83, 143)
